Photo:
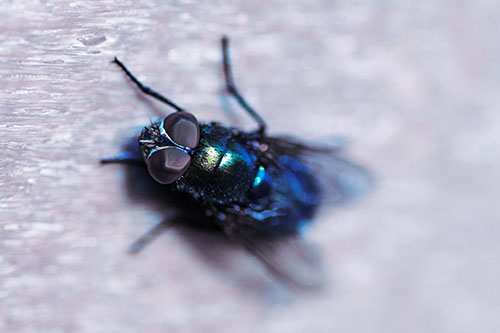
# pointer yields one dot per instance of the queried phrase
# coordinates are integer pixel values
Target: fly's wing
(340, 179)
(288, 258)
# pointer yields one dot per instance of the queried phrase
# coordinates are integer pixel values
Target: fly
(258, 189)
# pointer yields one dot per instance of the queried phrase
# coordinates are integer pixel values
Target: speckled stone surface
(412, 87)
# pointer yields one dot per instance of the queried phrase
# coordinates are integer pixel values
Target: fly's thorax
(223, 167)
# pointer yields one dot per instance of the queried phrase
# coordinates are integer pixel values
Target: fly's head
(167, 146)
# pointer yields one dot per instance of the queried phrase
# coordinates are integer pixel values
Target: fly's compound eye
(168, 164)
(183, 129)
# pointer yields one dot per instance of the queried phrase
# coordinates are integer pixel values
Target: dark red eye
(168, 164)
(183, 128)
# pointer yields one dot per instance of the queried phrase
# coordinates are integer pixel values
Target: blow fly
(259, 189)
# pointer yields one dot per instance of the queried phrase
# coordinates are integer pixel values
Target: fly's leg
(148, 237)
(146, 89)
(231, 87)
(124, 158)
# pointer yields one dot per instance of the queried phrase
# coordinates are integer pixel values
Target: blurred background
(410, 87)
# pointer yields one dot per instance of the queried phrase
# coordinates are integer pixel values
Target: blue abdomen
(284, 196)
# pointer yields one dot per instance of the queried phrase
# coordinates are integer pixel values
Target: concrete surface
(412, 86)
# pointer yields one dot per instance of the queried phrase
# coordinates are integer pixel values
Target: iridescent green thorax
(223, 167)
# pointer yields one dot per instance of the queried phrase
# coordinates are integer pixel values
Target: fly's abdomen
(284, 196)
